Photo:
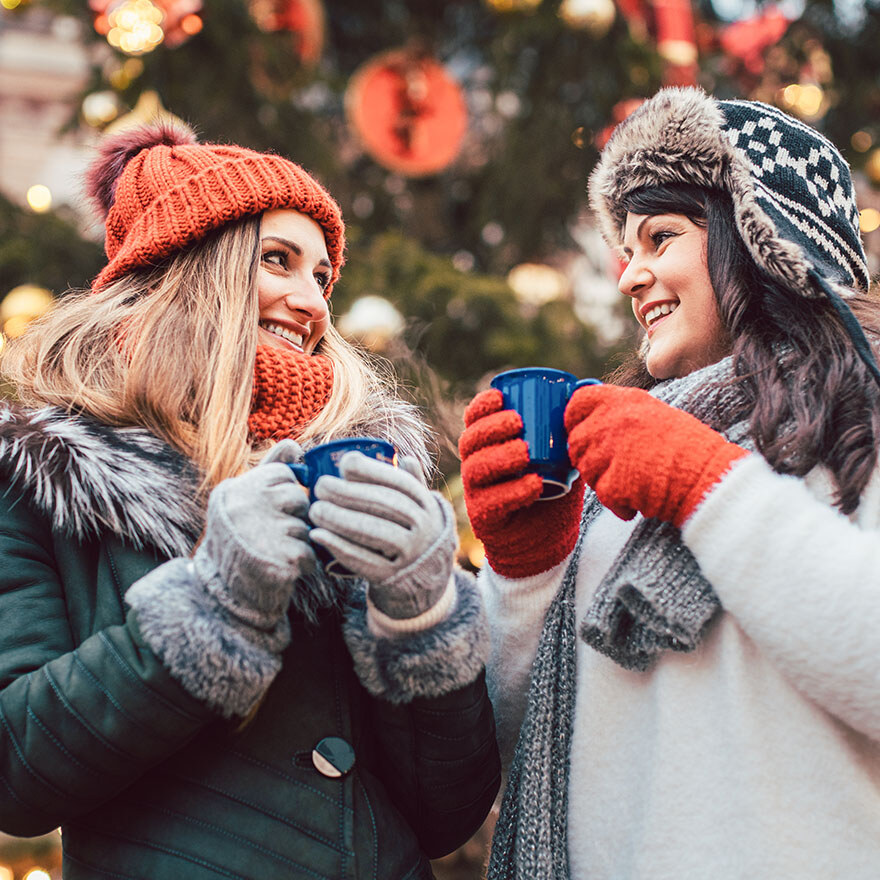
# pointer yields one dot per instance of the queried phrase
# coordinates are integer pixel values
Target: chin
(660, 370)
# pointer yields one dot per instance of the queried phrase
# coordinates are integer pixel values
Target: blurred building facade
(44, 67)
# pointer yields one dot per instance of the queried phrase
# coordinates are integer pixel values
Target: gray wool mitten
(256, 540)
(385, 525)
(219, 621)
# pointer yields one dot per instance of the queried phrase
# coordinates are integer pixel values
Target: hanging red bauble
(637, 16)
(676, 40)
(748, 40)
(408, 111)
(304, 19)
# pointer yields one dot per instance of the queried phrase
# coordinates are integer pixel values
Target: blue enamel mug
(324, 459)
(539, 395)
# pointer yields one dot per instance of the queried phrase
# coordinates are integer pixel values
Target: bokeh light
(135, 26)
(20, 306)
(869, 219)
(536, 284)
(39, 198)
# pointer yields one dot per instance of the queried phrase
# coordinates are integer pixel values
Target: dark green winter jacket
(147, 782)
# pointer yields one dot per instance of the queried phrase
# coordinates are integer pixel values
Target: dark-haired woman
(685, 653)
(183, 688)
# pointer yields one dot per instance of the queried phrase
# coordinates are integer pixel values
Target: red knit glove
(640, 454)
(522, 535)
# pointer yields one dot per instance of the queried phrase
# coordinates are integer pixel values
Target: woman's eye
(275, 258)
(323, 280)
(660, 236)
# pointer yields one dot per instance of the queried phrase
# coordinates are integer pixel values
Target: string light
(862, 141)
(869, 219)
(872, 166)
(805, 99)
(99, 108)
(595, 16)
(21, 305)
(135, 26)
(514, 5)
(37, 874)
(39, 198)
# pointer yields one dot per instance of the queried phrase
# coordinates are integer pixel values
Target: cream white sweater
(755, 756)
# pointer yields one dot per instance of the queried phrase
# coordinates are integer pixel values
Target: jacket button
(333, 756)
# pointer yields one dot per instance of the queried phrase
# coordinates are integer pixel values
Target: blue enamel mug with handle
(539, 395)
(324, 459)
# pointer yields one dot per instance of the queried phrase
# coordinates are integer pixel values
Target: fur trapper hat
(159, 191)
(792, 193)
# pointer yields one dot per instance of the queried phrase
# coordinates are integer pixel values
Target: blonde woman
(183, 688)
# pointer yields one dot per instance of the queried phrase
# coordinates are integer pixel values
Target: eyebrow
(295, 248)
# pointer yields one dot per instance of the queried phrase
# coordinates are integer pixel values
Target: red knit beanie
(159, 190)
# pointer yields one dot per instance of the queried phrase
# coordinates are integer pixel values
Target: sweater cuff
(526, 596)
(214, 655)
(425, 663)
(384, 627)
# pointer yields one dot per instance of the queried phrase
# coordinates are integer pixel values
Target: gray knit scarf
(654, 598)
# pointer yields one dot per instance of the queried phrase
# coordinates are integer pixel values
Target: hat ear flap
(116, 151)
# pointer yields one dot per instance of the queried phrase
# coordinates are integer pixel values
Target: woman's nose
(636, 277)
(307, 298)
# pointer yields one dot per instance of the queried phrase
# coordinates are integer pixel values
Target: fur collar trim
(791, 218)
(89, 479)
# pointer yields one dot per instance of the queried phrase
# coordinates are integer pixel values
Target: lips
(653, 314)
(291, 339)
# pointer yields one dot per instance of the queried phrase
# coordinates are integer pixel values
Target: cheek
(266, 295)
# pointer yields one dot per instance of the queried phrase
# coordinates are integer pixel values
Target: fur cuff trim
(428, 663)
(89, 478)
(216, 657)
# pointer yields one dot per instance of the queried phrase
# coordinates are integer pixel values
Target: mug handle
(582, 382)
(300, 471)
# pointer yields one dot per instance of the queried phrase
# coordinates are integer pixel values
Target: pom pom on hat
(160, 191)
(116, 151)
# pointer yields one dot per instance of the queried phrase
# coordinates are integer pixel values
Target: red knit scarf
(290, 389)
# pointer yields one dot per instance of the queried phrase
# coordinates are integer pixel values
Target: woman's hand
(385, 525)
(521, 535)
(256, 539)
(641, 455)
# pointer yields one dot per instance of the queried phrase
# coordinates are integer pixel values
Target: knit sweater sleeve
(803, 582)
(516, 609)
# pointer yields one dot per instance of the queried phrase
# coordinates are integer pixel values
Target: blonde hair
(172, 350)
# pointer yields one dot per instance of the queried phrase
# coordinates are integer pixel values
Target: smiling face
(672, 297)
(293, 273)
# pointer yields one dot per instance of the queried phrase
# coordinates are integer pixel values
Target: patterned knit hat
(793, 197)
(160, 191)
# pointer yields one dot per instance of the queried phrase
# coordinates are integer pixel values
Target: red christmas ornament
(748, 40)
(676, 40)
(304, 19)
(671, 23)
(409, 113)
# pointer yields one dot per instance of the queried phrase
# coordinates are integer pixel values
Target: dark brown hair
(809, 397)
